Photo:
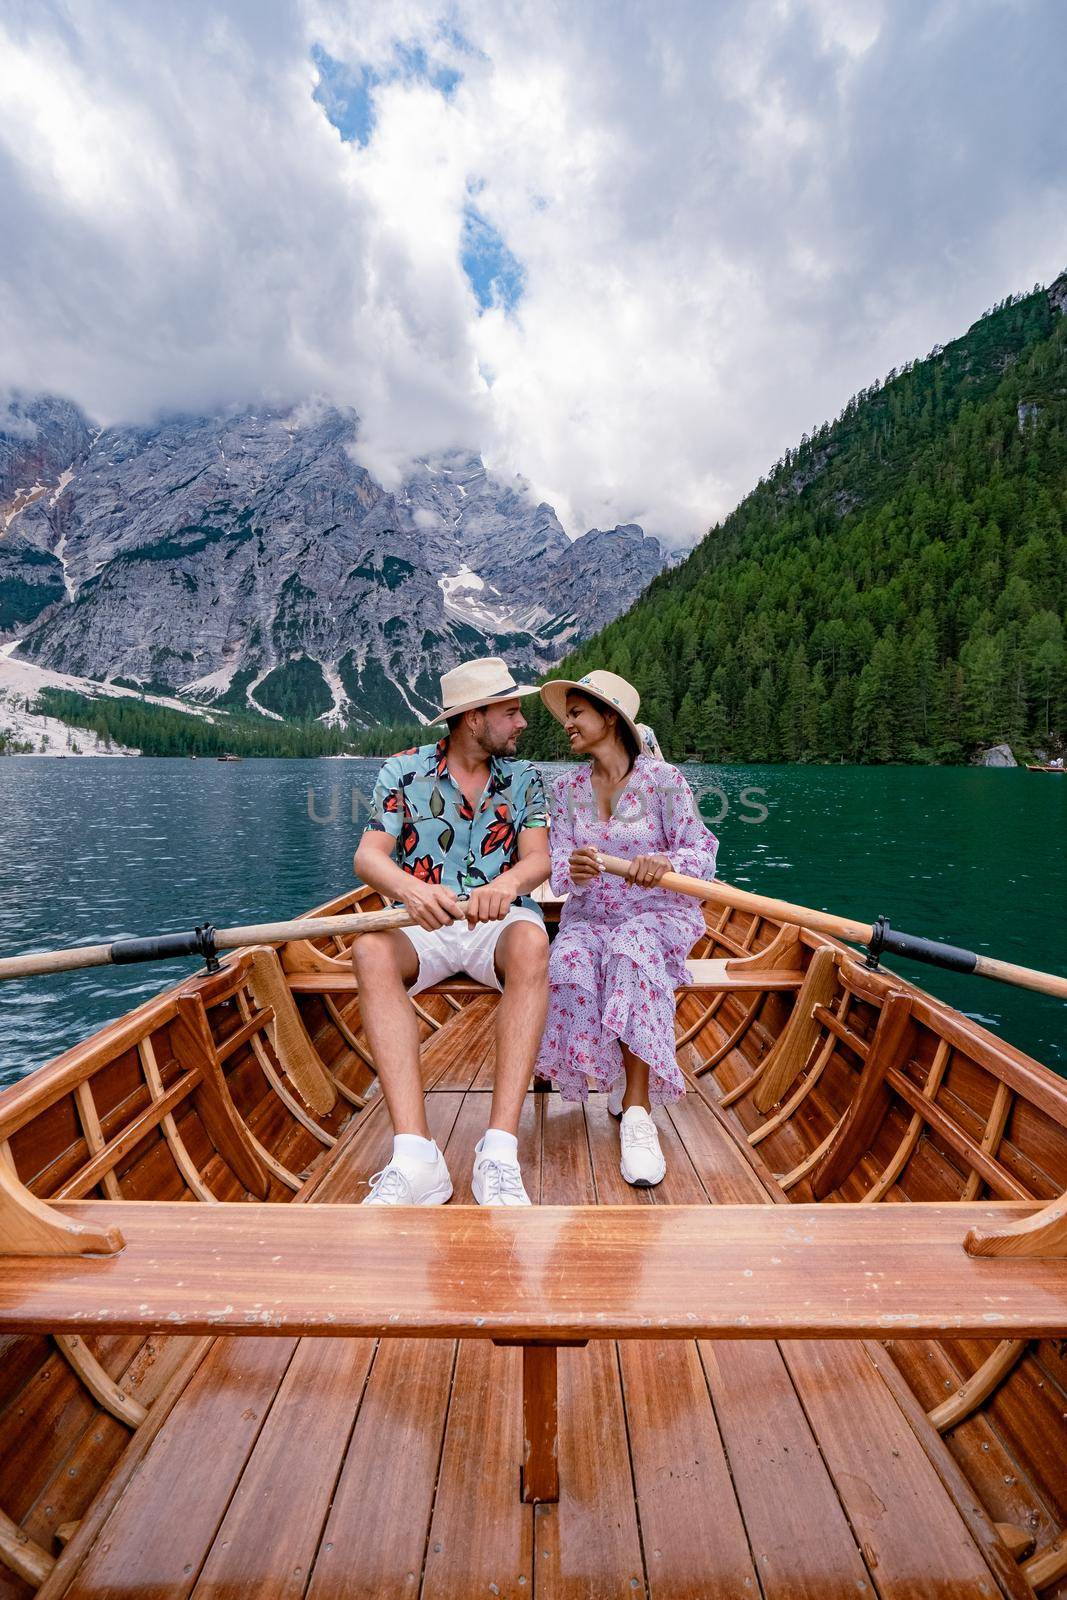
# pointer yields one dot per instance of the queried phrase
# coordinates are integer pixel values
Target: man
(461, 818)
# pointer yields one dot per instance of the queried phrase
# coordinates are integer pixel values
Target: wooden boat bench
(544, 1278)
(706, 976)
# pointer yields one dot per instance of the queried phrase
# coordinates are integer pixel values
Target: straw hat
(608, 688)
(478, 683)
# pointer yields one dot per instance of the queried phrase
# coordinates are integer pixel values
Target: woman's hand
(585, 865)
(648, 870)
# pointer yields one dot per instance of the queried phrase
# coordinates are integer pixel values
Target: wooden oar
(203, 941)
(877, 936)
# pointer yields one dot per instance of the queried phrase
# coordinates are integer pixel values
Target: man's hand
(491, 902)
(648, 870)
(585, 865)
(431, 904)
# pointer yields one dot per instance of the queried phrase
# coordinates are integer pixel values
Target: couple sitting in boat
(463, 817)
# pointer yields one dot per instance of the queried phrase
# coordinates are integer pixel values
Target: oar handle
(928, 950)
(29, 966)
(724, 894)
(314, 927)
(168, 945)
(1022, 977)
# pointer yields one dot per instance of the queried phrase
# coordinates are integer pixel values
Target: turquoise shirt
(440, 838)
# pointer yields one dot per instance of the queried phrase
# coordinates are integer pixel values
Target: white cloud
(727, 219)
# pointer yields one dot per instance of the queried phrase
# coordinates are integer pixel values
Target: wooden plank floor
(349, 1468)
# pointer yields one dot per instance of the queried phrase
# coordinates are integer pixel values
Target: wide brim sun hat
(478, 683)
(607, 688)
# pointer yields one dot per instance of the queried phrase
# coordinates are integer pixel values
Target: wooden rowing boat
(1046, 767)
(868, 1428)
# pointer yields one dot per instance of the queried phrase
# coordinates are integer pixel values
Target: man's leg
(522, 965)
(384, 963)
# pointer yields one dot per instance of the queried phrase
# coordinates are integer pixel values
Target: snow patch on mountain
(250, 695)
(21, 683)
(337, 716)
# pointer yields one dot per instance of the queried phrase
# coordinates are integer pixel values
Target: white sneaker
(497, 1183)
(615, 1096)
(642, 1161)
(411, 1183)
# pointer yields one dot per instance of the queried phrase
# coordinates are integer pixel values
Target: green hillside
(160, 731)
(894, 590)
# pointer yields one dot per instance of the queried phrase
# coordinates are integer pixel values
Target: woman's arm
(560, 840)
(691, 847)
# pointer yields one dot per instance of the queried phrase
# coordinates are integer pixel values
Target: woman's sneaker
(411, 1183)
(642, 1161)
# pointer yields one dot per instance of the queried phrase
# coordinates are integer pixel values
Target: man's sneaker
(497, 1183)
(411, 1183)
(642, 1161)
(615, 1097)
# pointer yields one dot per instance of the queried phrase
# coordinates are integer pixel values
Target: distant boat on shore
(227, 758)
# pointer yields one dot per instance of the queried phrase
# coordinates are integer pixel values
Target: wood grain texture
(481, 1533)
(589, 1543)
(568, 1272)
(693, 1536)
(392, 1461)
(801, 1542)
(270, 1533)
(31, 1229)
(540, 1455)
(869, 1101)
(692, 1529)
(910, 1533)
(161, 1530)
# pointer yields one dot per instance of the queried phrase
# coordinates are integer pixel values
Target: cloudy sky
(630, 251)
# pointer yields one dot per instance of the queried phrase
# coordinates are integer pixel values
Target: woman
(622, 943)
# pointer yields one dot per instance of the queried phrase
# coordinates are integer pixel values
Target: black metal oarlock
(205, 933)
(877, 943)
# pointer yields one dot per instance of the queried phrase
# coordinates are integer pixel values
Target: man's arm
(493, 901)
(431, 905)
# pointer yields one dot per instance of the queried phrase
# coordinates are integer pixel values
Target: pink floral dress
(620, 951)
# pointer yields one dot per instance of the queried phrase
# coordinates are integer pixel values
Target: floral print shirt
(440, 837)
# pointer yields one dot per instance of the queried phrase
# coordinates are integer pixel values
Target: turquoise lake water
(95, 850)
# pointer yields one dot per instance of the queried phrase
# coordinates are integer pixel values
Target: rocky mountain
(251, 560)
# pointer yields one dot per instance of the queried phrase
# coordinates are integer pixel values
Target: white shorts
(460, 948)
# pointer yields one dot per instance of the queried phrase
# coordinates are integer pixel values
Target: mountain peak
(250, 558)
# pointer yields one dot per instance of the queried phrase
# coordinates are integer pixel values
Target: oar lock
(205, 937)
(877, 942)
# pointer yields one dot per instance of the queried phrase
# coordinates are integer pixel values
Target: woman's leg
(641, 1159)
(639, 1010)
(636, 1091)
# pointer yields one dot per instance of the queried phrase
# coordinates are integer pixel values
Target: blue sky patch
(495, 275)
(414, 64)
(346, 94)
